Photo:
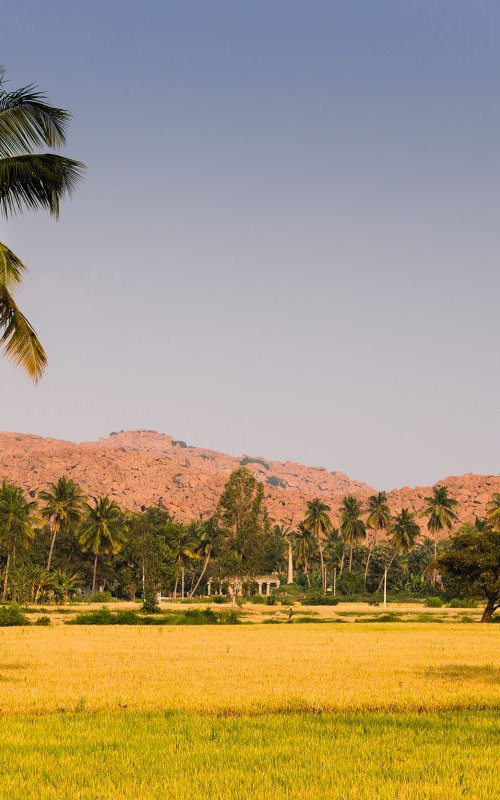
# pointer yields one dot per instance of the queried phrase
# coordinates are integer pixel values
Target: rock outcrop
(141, 468)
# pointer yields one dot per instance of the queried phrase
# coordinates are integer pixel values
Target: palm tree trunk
(205, 565)
(342, 560)
(94, 576)
(368, 559)
(175, 586)
(307, 577)
(182, 582)
(322, 564)
(382, 578)
(6, 579)
(290, 562)
(350, 558)
(51, 551)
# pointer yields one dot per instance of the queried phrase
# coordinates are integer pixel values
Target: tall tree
(352, 527)
(493, 512)
(207, 536)
(440, 512)
(472, 559)
(379, 519)
(17, 522)
(319, 523)
(33, 180)
(102, 530)
(286, 534)
(243, 517)
(64, 506)
(183, 546)
(305, 546)
(405, 532)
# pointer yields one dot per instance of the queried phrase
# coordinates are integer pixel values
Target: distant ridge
(143, 467)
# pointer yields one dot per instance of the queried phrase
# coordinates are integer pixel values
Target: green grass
(127, 755)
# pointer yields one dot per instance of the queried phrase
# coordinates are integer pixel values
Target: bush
(220, 599)
(462, 603)
(319, 599)
(258, 599)
(433, 602)
(150, 603)
(43, 620)
(11, 616)
(97, 597)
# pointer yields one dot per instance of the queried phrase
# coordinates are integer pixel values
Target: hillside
(140, 468)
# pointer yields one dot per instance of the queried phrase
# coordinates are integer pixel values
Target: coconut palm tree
(493, 512)
(64, 505)
(102, 530)
(207, 534)
(319, 523)
(33, 180)
(405, 532)
(352, 527)
(305, 546)
(183, 546)
(286, 532)
(440, 513)
(379, 519)
(17, 523)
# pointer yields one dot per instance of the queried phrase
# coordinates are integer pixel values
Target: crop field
(258, 711)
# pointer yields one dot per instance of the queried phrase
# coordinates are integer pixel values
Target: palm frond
(19, 339)
(28, 121)
(11, 267)
(36, 181)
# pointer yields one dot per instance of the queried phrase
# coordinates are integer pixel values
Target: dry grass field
(396, 711)
(250, 668)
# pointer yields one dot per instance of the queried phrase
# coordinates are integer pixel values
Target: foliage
(32, 180)
(12, 616)
(472, 558)
(319, 599)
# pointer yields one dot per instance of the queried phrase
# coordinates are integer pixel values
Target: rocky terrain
(140, 468)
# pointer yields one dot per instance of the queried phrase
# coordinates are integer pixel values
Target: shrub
(462, 603)
(11, 616)
(150, 603)
(319, 599)
(97, 597)
(219, 599)
(278, 483)
(247, 460)
(43, 620)
(433, 602)
(258, 599)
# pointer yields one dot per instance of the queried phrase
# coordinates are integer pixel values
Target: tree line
(62, 542)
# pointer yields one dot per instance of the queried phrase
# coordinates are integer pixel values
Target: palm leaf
(27, 121)
(36, 181)
(20, 341)
(11, 267)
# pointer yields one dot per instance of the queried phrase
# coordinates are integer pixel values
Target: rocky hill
(140, 468)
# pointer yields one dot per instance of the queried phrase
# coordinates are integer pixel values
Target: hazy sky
(288, 238)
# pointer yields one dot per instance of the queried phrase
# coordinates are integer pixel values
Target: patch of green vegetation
(12, 616)
(278, 483)
(247, 460)
(193, 616)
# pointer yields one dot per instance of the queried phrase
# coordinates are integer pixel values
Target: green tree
(379, 519)
(493, 512)
(64, 506)
(440, 512)
(305, 548)
(352, 527)
(246, 545)
(183, 546)
(17, 522)
(285, 534)
(102, 530)
(405, 532)
(148, 556)
(206, 537)
(471, 558)
(319, 523)
(33, 180)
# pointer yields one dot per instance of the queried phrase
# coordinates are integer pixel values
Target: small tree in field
(472, 559)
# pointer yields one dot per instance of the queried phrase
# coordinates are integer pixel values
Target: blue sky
(287, 241)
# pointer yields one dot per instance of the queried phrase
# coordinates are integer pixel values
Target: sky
(287, 241)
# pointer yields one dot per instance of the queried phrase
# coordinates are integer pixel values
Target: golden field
(250, 668)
